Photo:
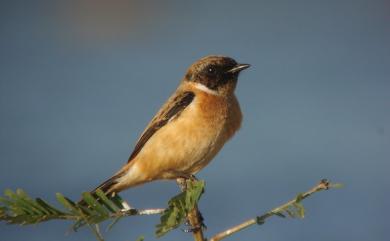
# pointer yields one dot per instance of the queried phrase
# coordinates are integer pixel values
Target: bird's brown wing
(174, 106)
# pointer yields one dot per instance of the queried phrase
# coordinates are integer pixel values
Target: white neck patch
(206, 89)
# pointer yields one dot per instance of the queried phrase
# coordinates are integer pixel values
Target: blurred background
(79, 80)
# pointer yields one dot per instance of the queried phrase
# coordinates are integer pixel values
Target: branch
(194, 218)
(137, 212)
(292, 208)
(19, 208)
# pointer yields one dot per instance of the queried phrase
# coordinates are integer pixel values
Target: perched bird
(189, 129)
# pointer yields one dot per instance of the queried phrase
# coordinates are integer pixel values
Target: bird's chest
(207, 125)
(208, 119)
(218, 117)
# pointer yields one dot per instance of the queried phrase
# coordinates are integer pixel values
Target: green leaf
(193, 193)
(18, 205)
(170, 219)
(179, 206)
(336, 185)
(299, 198)
(290, 213)
(19, 208)
(110, 205)
(260, 220)
(279, 214)
(142, 238)
(3, 210)
(68, 204)
(300, 210)
(29, 201)
(20, 219)
(52, 210)
(6, 202)
(95, 205)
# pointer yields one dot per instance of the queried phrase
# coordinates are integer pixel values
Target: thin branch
(119, 214)
(19, 208)
(196, 222)
(96, 231)
(122, 213)
(137, 212)
(193, 216)
(323, 185)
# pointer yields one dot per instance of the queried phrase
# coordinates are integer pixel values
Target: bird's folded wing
(174, 106)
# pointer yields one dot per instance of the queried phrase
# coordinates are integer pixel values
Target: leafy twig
(293, 208)
(193, 216)
(179, 207)
(19, 208)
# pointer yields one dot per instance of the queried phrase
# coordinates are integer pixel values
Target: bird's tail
(107, 187)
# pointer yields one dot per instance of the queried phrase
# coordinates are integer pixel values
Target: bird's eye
(211, 69)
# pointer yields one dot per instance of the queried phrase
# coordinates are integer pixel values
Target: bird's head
(217, 73)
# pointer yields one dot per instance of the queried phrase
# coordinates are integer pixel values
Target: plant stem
(323, 185)
(137, 212)
(195, 221)
(193, 216)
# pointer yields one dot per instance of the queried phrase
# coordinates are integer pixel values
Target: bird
(189, 130)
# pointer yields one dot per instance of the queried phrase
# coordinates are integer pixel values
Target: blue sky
(80, 80)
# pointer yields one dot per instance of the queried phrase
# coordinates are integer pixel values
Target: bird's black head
(217, 73)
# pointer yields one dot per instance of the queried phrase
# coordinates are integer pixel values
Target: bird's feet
(186, 176)
(183, 180)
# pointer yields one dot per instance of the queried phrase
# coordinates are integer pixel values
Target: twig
(96, 232)
(119, 214)
(323, 185)
(94, 228)
(137, 212)
(193, 216)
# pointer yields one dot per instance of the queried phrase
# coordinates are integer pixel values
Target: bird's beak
(238, 68)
